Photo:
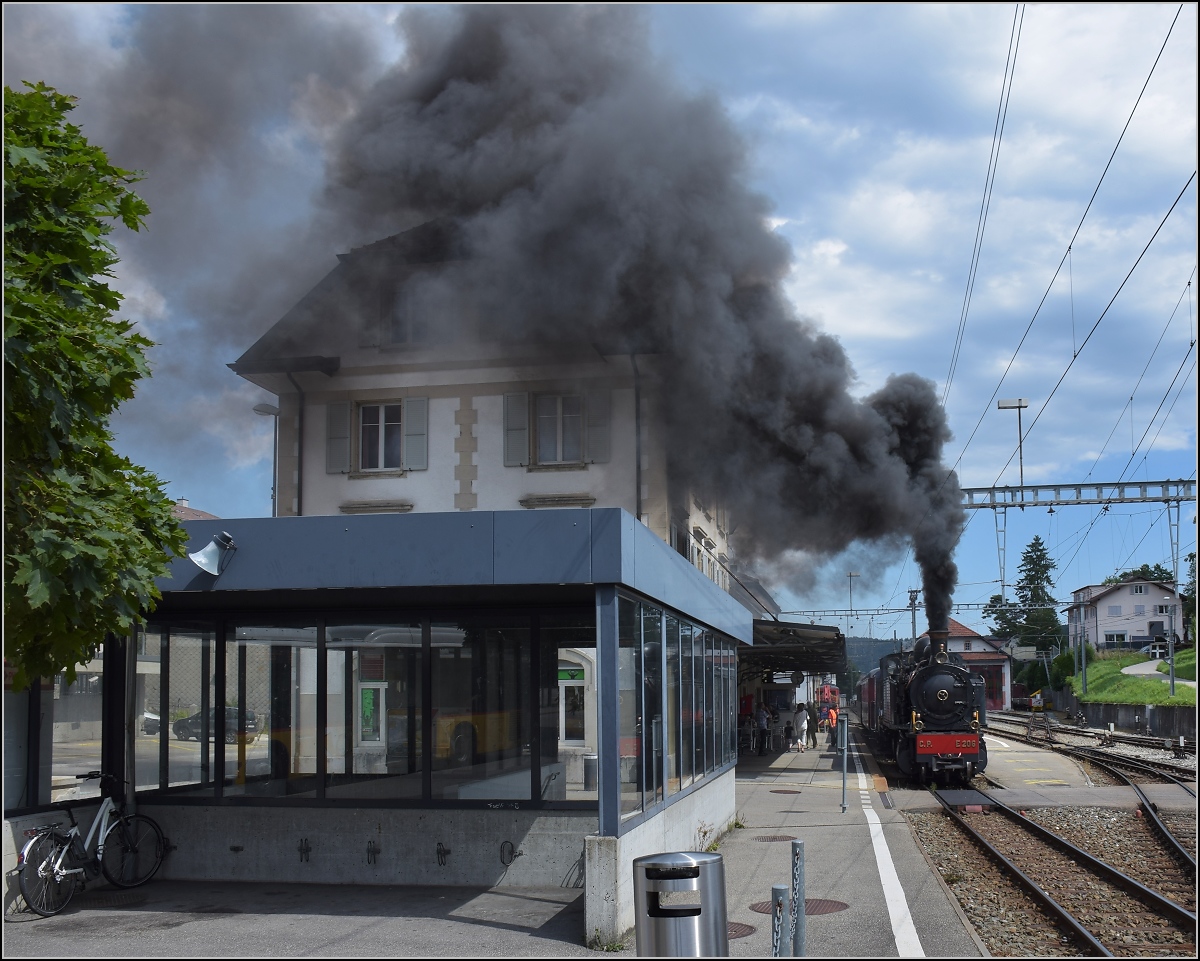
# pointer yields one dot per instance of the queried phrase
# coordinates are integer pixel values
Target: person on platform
(764, 728)
(800, 724)
(812, 725)
(833, 720)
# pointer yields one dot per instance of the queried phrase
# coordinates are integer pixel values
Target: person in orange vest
(833, 719)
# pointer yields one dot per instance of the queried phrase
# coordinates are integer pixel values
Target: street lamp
(1018, 404)
(270, 410)
(1171, 641)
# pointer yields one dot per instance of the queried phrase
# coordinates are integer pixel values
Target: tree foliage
(1188, 598)
(1031, 618)
(86, 530)
(1143, 573)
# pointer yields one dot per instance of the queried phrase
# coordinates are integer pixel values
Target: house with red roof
(987, 657)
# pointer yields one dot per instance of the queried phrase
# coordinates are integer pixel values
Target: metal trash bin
(590, 771)
(679, 906)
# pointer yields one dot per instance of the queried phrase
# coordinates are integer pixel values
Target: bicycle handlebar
(91, 775)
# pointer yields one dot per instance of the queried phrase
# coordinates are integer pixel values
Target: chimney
(182, 502)
(938, 645)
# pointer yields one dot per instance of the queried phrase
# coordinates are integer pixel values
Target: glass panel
(698, 715)
(629, 708)
(369, 438)
(18, 783)
(243, 740)
(570, 767)
(393, 438)
(271, 678)
(190, 703)
(730, 703)
(687, 709)
(77, 712)
(547, 429)
(711, 703)
(652, 726)
(148, 729)
(673, 704)
(374, 710)
(480, 705)
(572, 429)
(573, 707)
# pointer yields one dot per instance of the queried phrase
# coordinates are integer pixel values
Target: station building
(487, 639)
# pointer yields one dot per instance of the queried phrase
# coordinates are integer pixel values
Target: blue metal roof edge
(459, 549)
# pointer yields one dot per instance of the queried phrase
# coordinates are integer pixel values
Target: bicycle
(129, 851)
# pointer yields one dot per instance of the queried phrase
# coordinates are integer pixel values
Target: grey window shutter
(598, 410)
(337, 438)
(416, 433)
(516, 430)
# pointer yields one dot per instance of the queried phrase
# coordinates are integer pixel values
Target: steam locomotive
(926, 711)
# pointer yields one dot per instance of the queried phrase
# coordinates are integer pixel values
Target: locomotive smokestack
(938, 643)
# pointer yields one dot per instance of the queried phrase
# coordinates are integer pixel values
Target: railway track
(1105, 911)
(1141, 769)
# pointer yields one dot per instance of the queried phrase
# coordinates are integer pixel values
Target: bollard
(779, 911)
(843, 724)
(799, 922)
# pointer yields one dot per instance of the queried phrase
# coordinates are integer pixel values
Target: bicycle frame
(98, 831)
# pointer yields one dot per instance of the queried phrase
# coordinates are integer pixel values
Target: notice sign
(947, 743)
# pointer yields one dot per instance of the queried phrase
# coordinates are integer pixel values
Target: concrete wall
(1160, 721)
(687, 825)
(14, 840)
(374, 846)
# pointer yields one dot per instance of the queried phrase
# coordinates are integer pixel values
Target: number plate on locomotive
(947, 743)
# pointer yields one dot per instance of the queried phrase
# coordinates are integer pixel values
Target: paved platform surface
(869, 890)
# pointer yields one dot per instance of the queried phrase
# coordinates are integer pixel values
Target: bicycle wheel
(133, 851)
(44, 894)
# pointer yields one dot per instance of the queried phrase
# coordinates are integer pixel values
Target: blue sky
(869, 130)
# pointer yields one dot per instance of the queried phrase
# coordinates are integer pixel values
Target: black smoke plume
(599, 200)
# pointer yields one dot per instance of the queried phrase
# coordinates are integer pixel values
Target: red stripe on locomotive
(947, 744)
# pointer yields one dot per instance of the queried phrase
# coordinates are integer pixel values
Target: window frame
(560, 428)
(381, 443)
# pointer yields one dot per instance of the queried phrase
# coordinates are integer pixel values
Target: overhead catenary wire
(1070, 244)
(1010, 69)
(1145, 369)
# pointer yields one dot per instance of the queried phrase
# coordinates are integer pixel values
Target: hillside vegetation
(1107, 685)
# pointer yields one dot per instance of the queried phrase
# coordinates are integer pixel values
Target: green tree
(1144, 573)
(1031, 618)
(1188, 599)
(86, 530)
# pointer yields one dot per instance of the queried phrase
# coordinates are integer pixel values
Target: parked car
(187, 728)
(150, 722)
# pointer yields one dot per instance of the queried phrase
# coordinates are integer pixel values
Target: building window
(1165, 609)
(1114, 610)
(559, 428)
(1114, 640)
(380, 437)
(1137, 589)
(550, 429)
(966, 645)
(390, 436)
(405, 315)
(1139, 608)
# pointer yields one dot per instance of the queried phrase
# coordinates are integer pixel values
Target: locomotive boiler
(927, 711)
